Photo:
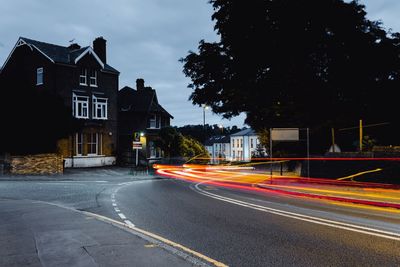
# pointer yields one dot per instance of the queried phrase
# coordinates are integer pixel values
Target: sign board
(285, 134)
(137, 145)
(136, 136)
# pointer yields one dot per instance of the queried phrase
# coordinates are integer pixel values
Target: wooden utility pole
(333, 139)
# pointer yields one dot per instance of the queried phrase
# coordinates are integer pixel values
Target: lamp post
(204, 121)
(221, 127)
(204, 116)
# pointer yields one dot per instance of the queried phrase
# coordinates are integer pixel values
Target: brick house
(87, 84)
(140, 118)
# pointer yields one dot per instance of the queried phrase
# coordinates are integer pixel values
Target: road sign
(137, 145)
(285, 134)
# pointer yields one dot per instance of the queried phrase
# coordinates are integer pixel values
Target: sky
(145, 39)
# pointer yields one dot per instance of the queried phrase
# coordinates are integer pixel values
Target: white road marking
(175, 248)
(316, 220)
(114, 204)
(122, 216)
(128, 222)
(117, 209)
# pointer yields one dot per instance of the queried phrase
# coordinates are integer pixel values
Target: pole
(333, 139)
(360, 135)
(270, 151)
(137, 157)
(204, 118)
(308, 152)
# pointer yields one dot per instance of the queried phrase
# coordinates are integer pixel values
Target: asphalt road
(234, 227)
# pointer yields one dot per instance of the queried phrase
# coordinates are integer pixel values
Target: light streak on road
(245, 177)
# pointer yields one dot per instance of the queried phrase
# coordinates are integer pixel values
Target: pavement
(35, 233)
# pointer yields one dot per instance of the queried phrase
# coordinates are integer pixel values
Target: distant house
(140, 118)
(218, 148)
(243, 145)
(87, 84)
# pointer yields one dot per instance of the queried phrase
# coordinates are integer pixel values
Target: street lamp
(221, 127)
(204, 116)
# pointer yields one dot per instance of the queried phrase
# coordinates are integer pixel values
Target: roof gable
(140, 100)
(59, 54)
(89, 51)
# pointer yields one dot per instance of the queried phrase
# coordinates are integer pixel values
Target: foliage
(170, 141)
(175, 144)
(288, 63)
(201, 133)
(190, 147)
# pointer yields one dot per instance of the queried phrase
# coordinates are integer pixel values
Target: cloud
(145, 39)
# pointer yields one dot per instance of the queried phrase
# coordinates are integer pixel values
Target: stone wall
(37, 164)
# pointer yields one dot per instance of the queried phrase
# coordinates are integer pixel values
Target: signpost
(288, 134)
(136, 146)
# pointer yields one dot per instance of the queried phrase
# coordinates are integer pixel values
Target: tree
(288, 63)
(197, 131)
(190, 148)
(174, 144)
(169, 141)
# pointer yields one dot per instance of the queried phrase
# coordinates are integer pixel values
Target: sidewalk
(344, 191)
(93, 173)
(40, 234)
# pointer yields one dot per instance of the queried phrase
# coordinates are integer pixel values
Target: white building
(218, 148)
(243, 145)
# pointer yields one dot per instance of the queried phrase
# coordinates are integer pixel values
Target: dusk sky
(145, 39)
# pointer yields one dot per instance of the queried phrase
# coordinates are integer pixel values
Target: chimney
(99, 47)
(139, 84)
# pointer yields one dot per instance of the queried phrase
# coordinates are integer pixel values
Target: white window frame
(84, 77)
(79, 104)
(93, 78)
(96, 143)
(78, 144)
(153, 122)
(155, 152)
(100, 104)
(39, 76)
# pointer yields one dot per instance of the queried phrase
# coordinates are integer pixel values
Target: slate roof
(246, 132)
(61, 54)
(218, 139)
(140, 101)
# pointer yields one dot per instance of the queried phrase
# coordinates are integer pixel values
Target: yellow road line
(134, 229)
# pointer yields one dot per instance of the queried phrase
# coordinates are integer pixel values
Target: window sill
(102, 119)
(89, 156)
(83, 84)
(93, 85)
